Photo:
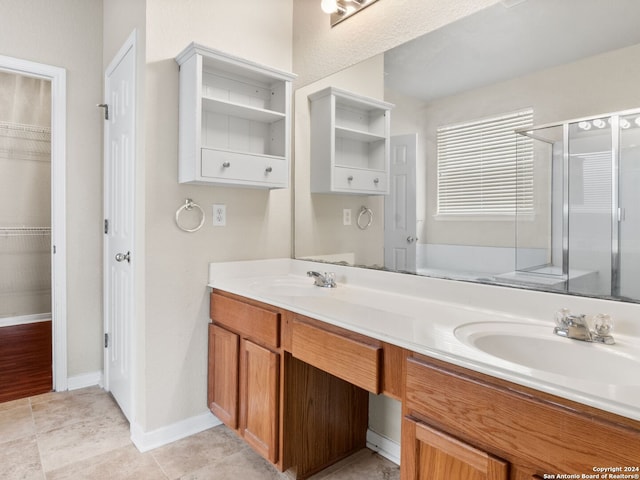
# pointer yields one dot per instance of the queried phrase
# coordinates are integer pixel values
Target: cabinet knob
(226, 164)
(350, 178)
(376, 181)
(268, 170)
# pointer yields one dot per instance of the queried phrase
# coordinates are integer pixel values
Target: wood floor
(25, 360)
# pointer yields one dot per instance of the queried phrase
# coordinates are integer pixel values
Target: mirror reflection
(514, 151)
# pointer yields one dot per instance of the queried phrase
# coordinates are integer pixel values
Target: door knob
(121, 257)
(411, 239)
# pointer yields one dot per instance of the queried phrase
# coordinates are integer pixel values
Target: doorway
(29, 234)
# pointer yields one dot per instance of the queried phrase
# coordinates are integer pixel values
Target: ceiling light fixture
(340, 10)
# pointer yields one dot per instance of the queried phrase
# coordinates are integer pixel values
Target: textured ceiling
(502, 42)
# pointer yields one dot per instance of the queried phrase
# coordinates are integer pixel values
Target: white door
(400, 206)
(119, 168)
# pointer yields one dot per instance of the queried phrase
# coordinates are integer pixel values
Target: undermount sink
(290, 287)
(536, 347)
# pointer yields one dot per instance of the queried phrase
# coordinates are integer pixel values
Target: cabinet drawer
(251, 321)
(233, 166)
(356, 362)
(361, 180)
(493, 415)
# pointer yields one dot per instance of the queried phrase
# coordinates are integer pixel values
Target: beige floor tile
(245, 465)
(16, 423)
(19, 459)
(125, 463)
(66, 408)
(197, 451)
(363, 465)
(81, 440)
(13, 404)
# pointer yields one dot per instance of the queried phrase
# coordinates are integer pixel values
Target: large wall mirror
(514, 153)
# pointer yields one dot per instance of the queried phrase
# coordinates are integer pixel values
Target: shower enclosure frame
(616, 213)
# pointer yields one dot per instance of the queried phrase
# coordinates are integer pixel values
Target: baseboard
(85, 380)
(384, 446)
(145, 441)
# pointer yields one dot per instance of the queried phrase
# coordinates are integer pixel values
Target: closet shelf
(24, 231)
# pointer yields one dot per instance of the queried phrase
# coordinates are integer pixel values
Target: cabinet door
(259, 410)
(429, 454)
(223, 375)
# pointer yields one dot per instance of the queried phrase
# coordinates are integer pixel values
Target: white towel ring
(364, 211)
(190, 205)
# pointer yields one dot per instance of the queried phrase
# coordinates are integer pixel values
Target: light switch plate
(219, 215)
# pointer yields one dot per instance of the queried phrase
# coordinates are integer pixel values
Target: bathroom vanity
(291, 365)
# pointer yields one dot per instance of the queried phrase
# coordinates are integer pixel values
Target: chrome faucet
(326, 280)
(577, 327)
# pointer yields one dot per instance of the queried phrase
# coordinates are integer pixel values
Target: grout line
(166, 475)
(37, 438)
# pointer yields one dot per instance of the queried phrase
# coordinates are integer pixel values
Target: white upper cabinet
(349, 143)
(235, 120)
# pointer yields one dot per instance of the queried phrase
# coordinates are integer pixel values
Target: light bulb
(329, 6)
(637, 121)
(599, 123)
(624, 123)
(584, 125)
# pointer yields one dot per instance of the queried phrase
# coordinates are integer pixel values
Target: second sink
(535, 347)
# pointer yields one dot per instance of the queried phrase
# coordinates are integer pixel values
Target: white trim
(24, 319)
(58, 78)
(145, 441)
(385, 447)
(85, 380)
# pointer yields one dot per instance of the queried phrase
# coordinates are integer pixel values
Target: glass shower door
(629, 207)
(591, 163)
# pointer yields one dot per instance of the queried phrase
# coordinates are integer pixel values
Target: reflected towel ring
(189, 205)
(364, 211)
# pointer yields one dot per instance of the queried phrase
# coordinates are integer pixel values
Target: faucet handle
(603, 324)
(561, 317)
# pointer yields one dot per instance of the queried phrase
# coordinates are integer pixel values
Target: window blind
(484, 167)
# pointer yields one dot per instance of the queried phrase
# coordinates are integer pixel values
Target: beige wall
(258, 221)
(68, 34)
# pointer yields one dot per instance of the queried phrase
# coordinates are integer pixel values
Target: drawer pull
(376, 180)
(226, 164)
(268, 170)
(350, 178)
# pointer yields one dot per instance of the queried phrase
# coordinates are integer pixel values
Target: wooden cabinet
(349, 143)
(259, 392)
(533, 432)
(355, 360)
(234, 120)
(296, 389)
(295, 415)
(244, 371)
(428, 454)
(224, 375)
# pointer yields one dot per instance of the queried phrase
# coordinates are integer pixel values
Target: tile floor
(83, 435)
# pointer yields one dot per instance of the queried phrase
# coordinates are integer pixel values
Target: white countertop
(422, 314)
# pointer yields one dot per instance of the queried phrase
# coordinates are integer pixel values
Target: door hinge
(54, 249)
(106, 226)
(106, 110)
(106, 340)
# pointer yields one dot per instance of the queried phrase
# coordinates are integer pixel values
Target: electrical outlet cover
(219, 215)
